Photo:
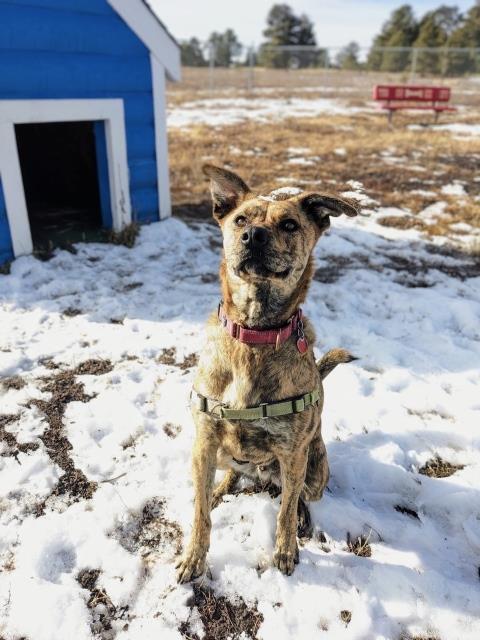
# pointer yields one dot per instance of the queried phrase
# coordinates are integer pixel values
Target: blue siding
(69, 49)
(6, 249)
(102, 172)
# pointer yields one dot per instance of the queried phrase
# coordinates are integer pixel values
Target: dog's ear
(319, 207)
(228, 190)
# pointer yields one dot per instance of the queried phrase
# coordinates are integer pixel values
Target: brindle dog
(265, 273)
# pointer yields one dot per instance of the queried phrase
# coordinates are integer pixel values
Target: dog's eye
(240, 221)
(289, 225)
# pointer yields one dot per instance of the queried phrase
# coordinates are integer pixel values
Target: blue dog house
(83, 140)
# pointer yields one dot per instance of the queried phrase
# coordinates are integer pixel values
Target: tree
(192, 54)
(347, 58)
(400, 31)
(467, 34)
(224, 47)
(284, 28)
(434, 31)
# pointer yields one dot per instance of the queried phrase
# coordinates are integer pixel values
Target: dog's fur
(261, 289)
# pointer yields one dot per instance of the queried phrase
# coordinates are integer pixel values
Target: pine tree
(466, 35)
(192, 54)
(430, 35)
(224, 47)
(400, 30)
(284, 28)
(347, 58)
(434, 31)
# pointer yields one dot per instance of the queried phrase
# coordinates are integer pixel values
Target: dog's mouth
(255, 268)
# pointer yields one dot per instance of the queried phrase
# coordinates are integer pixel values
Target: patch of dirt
(189, 362)
(5, 269)
(359, 546)
(406, 511)
(132, 285)
(71, 312)
(93, 368)
(126, 237)
(150, 533)
(401, 222)
(346, 616)
(13, 382)
(222, 619)
(64, 389)
(49, 363)
(107, 619)
(439, 468)
(168, 357)
(412, 272)
(13, 447)
(427, 637)
(172, 430)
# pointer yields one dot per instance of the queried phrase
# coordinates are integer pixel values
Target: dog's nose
(255, 237)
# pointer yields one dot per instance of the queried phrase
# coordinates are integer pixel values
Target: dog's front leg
(292, 470)
(204, 458)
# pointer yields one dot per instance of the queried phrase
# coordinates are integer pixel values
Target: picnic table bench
(394, 97)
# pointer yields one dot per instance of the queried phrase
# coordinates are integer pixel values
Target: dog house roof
(142, 18)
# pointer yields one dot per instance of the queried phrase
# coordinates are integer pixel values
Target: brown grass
(126, 237)
(12, 447)
(168, 357)
(428, 159)
(406, 511)
(13, 382)
(221, 618)
(346, 616)
(359, 546)
(102, 610)
(63, 389)
(333, 83)
(439, 468)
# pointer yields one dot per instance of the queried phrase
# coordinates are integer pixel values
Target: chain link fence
(349, 71)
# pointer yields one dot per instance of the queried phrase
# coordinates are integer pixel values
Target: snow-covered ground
(225, 111)
(413, 394)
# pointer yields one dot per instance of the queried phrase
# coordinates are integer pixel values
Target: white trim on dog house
(14, 112)
(161, 138)
(142, 20)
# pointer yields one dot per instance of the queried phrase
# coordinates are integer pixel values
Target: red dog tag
(302, 345)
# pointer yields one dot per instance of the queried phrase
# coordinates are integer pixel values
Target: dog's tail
(330, 360)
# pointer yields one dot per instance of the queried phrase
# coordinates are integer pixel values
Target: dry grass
(222, 619)
(359, 546)
(13, 382)
(346, 616)
(423, 162)
(126, 237)
(333, 83)
(439, 468)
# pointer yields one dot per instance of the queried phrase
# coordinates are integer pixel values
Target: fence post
(250, 71)
(413, 69)
(211, 66)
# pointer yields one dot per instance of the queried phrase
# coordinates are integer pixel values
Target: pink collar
(266, 336)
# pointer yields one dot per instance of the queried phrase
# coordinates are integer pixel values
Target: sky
(337, 22)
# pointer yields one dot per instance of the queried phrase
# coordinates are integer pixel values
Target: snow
(454, 189)
(412, 394)
(278, 194)
(225, 111)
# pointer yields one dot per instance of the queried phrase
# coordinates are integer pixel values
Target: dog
(257, 396)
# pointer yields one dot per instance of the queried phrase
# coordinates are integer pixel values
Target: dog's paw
(190, 566)
(217, 499)
(285, 559)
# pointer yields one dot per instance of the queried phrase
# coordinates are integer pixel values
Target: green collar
(265, 410)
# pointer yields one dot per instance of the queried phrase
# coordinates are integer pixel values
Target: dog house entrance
(61, 181)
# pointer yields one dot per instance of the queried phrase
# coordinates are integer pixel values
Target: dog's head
(269, 239)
